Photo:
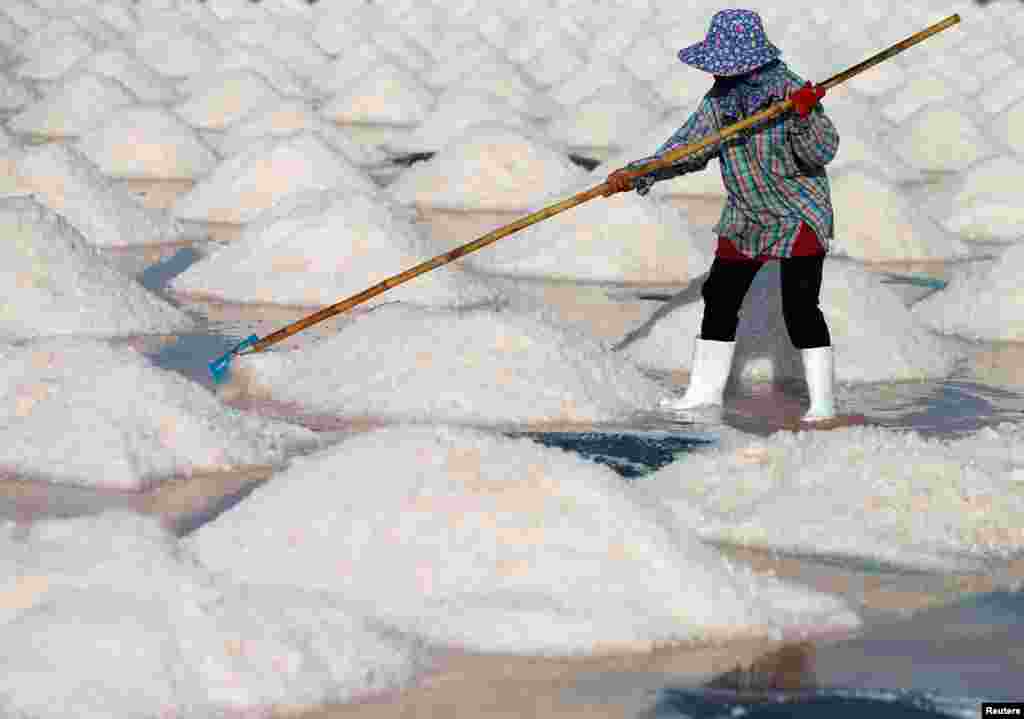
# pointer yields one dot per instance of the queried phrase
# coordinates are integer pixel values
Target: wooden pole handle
(579, 198)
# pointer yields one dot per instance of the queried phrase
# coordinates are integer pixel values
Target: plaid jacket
(774, 173)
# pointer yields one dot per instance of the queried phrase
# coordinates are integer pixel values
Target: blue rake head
(219, 366)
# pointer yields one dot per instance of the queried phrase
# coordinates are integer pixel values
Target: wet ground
(963, 642)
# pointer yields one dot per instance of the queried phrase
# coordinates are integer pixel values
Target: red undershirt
(806, 245)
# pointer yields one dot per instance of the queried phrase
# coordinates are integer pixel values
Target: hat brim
(703, 57)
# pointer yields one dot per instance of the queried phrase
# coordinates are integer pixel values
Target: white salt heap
(106, 213)
(266, 172)
(455, 112)
(856, 305)
(472, 538)
(320, 247)
(110, 616)
(73, 106)
(553, 63)
(53, 282)
(940, 138)
(175, 47)
(278, 75)
(288, 117)
(498, 76)
(864, 492)
(127, 68)
(705, 182)
(80, 411)
(875, 222)
(1001, 92)
(1008, 125)
(286, 39)
(919, 90)
(985, 201)
(14, 93)
(147, 141)
(600, 72)
(480, 366)
(606, 119)
(981, 303)
(26, 14)
(866, 140)
(622, 238)
(361, 55)
(387, 94)
(224, 97)
(488, 167)
(51, 50)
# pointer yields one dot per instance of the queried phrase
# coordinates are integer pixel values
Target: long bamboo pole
(256, 345)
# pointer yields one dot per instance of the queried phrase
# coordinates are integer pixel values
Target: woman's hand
(618, 181)
(806, 98)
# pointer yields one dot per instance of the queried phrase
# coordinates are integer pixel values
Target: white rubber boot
(712, 361)
(818, 366)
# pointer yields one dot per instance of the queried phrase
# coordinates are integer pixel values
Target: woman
(778, 205)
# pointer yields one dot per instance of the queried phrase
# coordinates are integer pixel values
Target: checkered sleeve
(814, 139)
(697, 127)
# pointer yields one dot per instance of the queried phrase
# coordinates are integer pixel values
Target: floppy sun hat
(735, 44)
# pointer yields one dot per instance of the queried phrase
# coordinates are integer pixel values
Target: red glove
(618, 181)
(806, 98)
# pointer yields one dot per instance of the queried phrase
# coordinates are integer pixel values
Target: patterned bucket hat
(735, 44)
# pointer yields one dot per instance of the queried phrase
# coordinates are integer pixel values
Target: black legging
(727, 285)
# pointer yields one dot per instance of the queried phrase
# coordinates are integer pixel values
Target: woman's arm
(814, 138)
(697, 127)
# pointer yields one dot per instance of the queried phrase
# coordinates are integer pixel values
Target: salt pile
(164, 425)
(147, 141)
(320, 247)
(1001, 92)
(10, 36)
(980, 302)
(605, 119)
(278, 75)
(110, 616)
(360, 57)
(940, 138)
(174, 47)
(224, 97)
(622, 238)
(600, 72)
(867, 141)
(500, 77)
(288, 117)
(128, 69)
(14, 93)
(488, 167)
(864, 492)
(1007, 126)
(106, 213)
(706, 182)
(50, 51)
(54, 282)
(471, 540)
(875, 222)
(984, 203)
(455, 112)
(387, 94)
(856, 304)
(920, 90)
(266, 172)
(480, 365)
(286, 39)
(554, 63)
(73, 106)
